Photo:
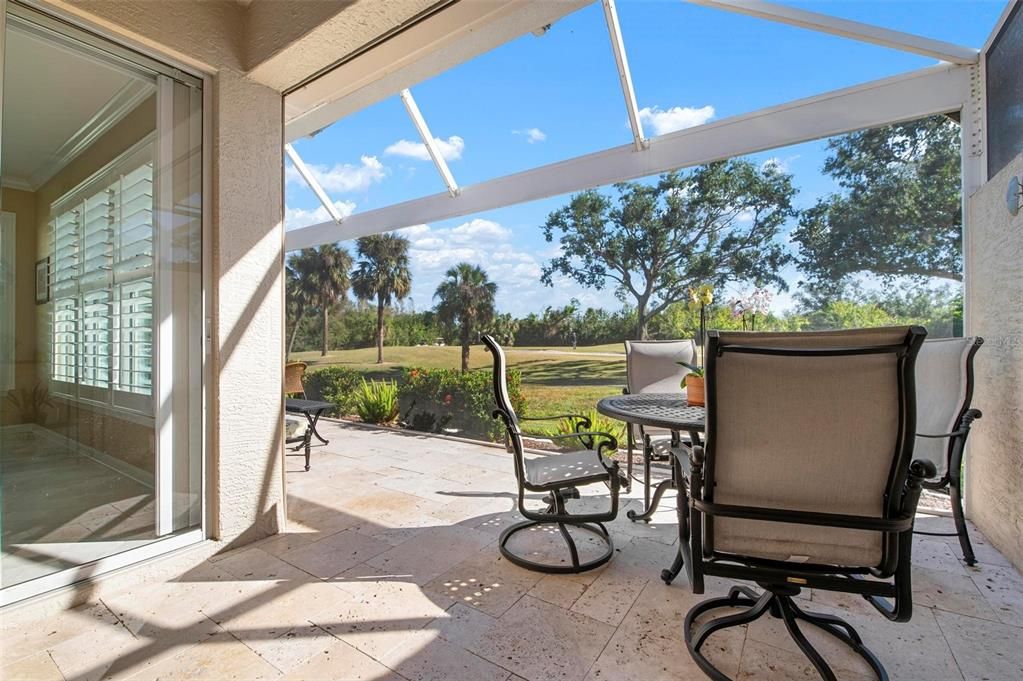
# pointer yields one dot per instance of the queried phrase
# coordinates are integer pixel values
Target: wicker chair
(806, 481)
(293, 373)
(558, 476)
(653, 367)
(944, 383)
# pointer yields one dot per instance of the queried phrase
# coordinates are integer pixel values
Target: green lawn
(554, 380)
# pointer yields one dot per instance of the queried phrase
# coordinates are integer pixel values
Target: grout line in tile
(944, 638)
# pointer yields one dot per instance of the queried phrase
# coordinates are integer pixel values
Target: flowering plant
(749, 306)
(699, 298)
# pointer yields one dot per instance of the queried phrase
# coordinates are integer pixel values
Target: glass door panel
(100, 256)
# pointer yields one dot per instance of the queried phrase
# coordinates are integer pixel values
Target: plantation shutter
(133, 277)
(102, 286)
(64, 273)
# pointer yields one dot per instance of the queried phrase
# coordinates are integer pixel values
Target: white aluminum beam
(614, 30)
(855, 30)
(439, 42)
(431, 144)
(925, 92)
(310, 180)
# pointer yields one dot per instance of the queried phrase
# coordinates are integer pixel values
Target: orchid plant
(749, 306)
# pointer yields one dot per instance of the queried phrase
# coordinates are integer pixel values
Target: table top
(294, 404)
(656, 410)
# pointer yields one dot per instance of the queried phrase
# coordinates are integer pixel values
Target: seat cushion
(563, 470)
(295, 428)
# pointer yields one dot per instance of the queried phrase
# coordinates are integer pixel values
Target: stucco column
(248, 285)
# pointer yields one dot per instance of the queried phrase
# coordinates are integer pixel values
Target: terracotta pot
(694, 390)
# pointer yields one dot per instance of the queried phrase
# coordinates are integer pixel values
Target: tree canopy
(713, 224)
(322, 275)
(382, 273)
(466, 302)
(899, 213)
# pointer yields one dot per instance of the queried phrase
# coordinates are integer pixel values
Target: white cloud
(300, 217)
(343, 177)
(493, 247)
(780, 164)
(532, 135)
(450, 149)
(676, 118)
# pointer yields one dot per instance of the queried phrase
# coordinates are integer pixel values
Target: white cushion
(295, 428)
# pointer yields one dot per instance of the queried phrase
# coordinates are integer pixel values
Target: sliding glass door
(101, 341)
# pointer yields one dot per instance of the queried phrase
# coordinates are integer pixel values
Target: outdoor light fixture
(1014, 196)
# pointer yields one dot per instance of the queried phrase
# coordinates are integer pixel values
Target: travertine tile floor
(389, 570)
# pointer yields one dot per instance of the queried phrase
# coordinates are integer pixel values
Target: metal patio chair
(559, 476)
(944, 383)
(653, 367)
(806, 481)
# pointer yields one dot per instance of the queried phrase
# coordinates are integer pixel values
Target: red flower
(447, 399)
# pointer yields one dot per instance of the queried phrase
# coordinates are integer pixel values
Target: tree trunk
(323, 334)
(294, 331)
(465, 348)
(380, 330)
(642, 319)
(641, 323)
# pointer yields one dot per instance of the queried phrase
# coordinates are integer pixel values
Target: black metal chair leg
(572, 550)
(780, 604)
(956, 497)
(647, 456)
(818, 662)
(577, 566)
(651, 508)
(756, 608)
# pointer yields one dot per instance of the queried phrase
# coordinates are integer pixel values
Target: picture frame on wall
(43, 281)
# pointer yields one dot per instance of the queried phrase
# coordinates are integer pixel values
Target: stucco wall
(994, 267)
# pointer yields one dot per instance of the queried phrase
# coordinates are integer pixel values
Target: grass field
(554, 380)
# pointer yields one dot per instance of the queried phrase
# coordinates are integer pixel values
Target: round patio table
(670, 411)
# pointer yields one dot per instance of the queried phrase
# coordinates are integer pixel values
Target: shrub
(436, 399)
(377, 401)
(334, 384)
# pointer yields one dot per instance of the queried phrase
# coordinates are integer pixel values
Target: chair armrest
(954, 433)
(969, 416)
(555, 417)
(607, 439)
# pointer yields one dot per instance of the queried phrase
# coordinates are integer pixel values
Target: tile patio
(389, 570)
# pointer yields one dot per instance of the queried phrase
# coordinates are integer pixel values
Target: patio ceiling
(952, 86)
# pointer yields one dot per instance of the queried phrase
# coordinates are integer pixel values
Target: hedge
(445, 400)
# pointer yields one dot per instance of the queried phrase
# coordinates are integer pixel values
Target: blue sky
(538, 100)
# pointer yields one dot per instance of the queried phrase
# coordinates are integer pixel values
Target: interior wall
(22, 205)
(994, 266)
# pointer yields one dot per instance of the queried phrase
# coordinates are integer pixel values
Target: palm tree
(297, 301)
(467, 301)
(383, 273)
(323, 273)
